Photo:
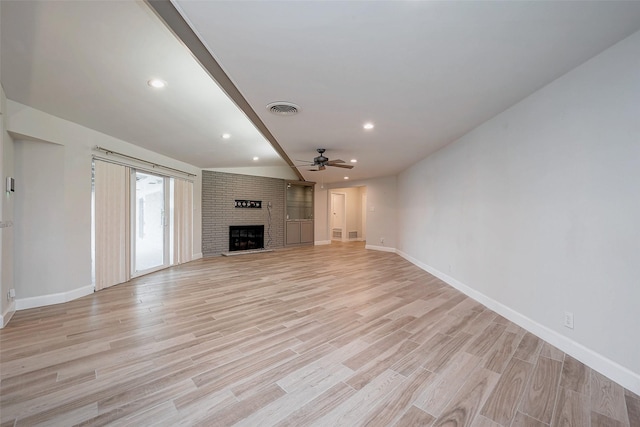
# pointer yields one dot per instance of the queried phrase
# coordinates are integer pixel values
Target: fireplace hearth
(246, 237)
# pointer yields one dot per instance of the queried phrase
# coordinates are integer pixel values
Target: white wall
(321, 215)
(42, 262)
(537, 212)
(381, 212)
(53, 162)
(354, 211)
(7, 306)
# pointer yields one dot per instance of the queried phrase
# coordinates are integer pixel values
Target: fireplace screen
(246, 237)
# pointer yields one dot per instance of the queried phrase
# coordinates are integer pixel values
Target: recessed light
(256, 158)
(354, 161)
(368, 126)
(346, 177)
(157, 83)
(226, 135)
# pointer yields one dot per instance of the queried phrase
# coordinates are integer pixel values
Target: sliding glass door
(141, 222)
(150, 222)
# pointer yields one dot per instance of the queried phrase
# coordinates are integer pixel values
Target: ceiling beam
(165, 10)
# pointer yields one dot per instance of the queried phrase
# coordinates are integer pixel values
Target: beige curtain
(112, 222)
(182, 221)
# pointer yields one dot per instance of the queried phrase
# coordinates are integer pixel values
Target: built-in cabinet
(299, 213)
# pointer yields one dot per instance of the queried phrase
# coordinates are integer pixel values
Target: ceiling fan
(321, 162)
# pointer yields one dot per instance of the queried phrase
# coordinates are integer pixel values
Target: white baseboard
(380, 248)
(196, 256)
(607, 367)
(322, 242)
(44, 300)
(7, 315)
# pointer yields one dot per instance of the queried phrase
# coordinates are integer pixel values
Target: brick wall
(219, 192)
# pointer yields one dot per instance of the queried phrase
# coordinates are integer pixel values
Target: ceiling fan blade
(342, 166)
(335, 161)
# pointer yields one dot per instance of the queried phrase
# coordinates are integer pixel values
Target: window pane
(149, 221)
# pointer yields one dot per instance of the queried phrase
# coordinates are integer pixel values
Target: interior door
(150, 224)
(338, 216)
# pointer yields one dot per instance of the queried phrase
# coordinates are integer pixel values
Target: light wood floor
(329, 336)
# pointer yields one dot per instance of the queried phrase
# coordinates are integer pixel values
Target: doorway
(347, 214)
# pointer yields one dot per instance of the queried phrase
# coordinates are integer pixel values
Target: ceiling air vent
(283, 108)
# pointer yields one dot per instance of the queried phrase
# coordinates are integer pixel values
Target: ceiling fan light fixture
(321, 162)
(283, 108)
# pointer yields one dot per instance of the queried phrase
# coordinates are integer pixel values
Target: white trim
(7, 315)
(380, 248)
(44, 300)
(607, 367)
(196, 256)
(322, 242)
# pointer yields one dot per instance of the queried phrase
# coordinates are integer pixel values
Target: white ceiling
(424, 72)
(89, 62)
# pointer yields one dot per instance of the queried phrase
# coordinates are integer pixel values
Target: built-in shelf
(299, 224)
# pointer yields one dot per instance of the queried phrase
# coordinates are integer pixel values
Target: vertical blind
(113, 223)
(183, 221)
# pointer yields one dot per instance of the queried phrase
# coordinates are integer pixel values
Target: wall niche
(299, 225)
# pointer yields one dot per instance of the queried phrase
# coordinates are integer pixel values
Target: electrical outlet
(12, 293)
(568, 319)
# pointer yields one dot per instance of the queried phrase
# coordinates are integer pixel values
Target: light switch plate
(11, 185)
